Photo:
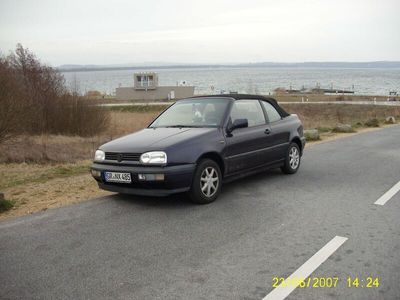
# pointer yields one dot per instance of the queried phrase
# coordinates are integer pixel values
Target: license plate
(117, 177)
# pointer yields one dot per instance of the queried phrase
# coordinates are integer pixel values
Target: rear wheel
(207, 181)
(292, 161)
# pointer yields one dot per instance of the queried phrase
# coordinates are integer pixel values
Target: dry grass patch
(48, 149)
(123, 123)
(59, 148)
(322, 97)
(33, 197)
(21, 174)
(36, 187)
(329, 115)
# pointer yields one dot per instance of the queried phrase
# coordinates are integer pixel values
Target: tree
(10, 101)
(34, 100)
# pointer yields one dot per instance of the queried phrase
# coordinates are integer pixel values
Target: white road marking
(388, 195)
(281, 292)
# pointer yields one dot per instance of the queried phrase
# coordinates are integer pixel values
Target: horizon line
(161, 65)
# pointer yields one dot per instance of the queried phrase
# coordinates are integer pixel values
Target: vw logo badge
(119, 157)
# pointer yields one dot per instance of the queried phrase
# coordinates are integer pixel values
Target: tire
(292, 160)
(207, 177)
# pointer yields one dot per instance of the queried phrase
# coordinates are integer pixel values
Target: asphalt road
(262, 227)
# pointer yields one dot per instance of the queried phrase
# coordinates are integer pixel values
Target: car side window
(272, 114)
(248, 109)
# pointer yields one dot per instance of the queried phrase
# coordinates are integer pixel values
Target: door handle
(267, 131)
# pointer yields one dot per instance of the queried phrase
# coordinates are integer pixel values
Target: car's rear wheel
(292, 161)
(207, 181)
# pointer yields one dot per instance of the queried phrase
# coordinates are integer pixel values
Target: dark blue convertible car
(198, 143)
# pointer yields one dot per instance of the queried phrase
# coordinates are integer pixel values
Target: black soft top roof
(271, 100)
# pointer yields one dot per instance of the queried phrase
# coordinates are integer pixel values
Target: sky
(201, 32)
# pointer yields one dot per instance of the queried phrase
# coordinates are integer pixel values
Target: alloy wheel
(209, 181)
(294, 158)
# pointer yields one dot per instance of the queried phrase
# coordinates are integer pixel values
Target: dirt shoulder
(34, 188)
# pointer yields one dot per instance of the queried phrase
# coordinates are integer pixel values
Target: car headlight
(154, 157)
(99, 155)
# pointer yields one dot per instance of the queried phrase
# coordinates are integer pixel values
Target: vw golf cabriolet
(198, 143)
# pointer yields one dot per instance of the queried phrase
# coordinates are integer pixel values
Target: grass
(339, 129)
(311, 139)
(6, 205)
(15, 174)
(319, 97)
(50, 149)
(329, 115)
(324, 129)
(123, 123)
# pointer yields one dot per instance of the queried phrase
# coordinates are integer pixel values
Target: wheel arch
(297, 140)
(215, 157)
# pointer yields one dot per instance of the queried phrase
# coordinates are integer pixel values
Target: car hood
(151, 139)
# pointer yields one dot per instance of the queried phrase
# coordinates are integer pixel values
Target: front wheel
(207, 181)
(292, 161)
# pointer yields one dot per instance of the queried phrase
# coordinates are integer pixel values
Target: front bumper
(177, 179)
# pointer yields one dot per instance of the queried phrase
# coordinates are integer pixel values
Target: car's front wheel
(292, 161)
(207, 181)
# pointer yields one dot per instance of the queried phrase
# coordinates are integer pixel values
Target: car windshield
(197, 112)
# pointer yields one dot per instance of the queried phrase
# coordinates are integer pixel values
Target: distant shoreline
(324, 65)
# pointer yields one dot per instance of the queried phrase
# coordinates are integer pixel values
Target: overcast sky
(206, 31)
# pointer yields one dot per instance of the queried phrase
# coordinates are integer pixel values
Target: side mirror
(238, 123)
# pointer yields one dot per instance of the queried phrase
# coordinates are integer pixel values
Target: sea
(257, 80)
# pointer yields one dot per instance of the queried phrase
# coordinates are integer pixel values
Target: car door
(244, 146)
(279, 134)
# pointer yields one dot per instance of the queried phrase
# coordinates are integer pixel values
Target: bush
(139, 108)
(34, 100)
(324, 129)
(343, 128)
(311, 135)
(5, 205)
(372, 123)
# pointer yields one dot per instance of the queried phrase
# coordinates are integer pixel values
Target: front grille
(122, 156)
